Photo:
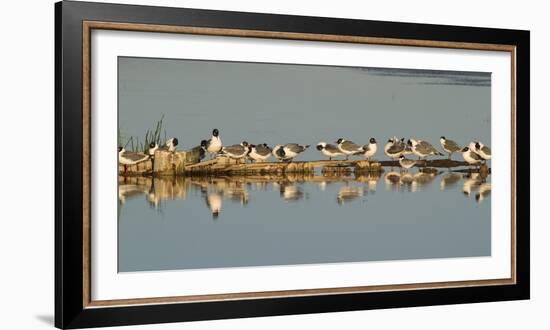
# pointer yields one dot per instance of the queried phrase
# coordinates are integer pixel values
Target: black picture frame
(70, 310)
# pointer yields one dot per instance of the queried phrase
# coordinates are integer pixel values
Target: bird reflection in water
(347, 187)
(449, 180)
(214, 203)
(472, 182)
(391, 180)
(348, 194)
(370, 179)
(421, 179)
(406, 181)
(128, 191)
(290, 192)
(483, 192)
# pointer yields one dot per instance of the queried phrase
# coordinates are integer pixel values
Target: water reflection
(450, 180)
(475, 184)
(348, 194)
(349, 188)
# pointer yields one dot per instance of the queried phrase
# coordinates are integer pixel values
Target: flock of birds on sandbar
(475, 153)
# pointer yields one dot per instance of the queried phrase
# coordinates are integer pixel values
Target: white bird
(214, 144)
(422, 149)
(449, 146)
(394, 148)
(406, 163)
(170, 145)
(130, 158)
(294, 149)
(288, 151)
(259, 153)
(470, 156)
(236, 151)
(329, 150)
(483, 151)
(348, 148)
(370, 149)
(153, 146)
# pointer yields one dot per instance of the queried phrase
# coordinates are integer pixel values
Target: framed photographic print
(271, 164)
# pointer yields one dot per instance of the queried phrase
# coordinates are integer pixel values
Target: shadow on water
(292, 188)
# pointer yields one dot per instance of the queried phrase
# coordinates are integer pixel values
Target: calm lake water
(236, 222)
(189, 223)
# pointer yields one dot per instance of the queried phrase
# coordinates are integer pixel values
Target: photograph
(281, 163)
(253, 164)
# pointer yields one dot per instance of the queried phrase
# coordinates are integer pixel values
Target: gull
(422, 149)
(153, 147)
(483, 151)
(329, 150)
(288, 151)
(470, 156)
(260, 152)
(370, 149)
(214, 144)
(279, 153)
(236, 151)
(348, 148)
(406, 163)
(130, 158)
(293, 149)
(449, 146)
(394, 148)
(170, 145)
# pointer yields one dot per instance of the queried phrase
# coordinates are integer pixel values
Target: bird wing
(475, 155)
(425, 147)
(135, 156)
(332, 148)
(263, 150)
(295, 147)
(452, 145)
(235, 149)
(349, 145)
(486, 150)
(396, 147)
